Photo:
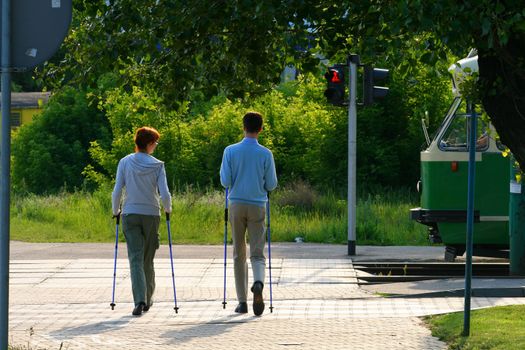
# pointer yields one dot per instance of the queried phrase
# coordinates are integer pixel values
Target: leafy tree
(50, 153)
(240, 47)
(405, 31)
(171, 58)
(182, 48)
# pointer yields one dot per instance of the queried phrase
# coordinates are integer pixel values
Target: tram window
(455, 137)
(483, 136)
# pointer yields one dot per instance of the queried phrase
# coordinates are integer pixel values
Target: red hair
(144, 136)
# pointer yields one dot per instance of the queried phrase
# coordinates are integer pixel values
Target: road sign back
(38, 28)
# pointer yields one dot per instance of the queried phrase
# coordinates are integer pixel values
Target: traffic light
(370, 91)
(335, 91)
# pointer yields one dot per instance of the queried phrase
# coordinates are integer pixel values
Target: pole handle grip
(117, 217)
(168, 216)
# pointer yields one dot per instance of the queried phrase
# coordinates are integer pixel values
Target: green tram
(443, 187)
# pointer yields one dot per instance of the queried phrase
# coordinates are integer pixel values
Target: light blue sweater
(248, 171)
(144, 178)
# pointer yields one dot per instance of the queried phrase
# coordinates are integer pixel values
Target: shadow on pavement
(91, 328)
(181, 333)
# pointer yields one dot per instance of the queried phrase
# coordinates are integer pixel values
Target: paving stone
(317, 305)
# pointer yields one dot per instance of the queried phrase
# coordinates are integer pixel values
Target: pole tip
(224, 304)
(176, 308)
(112, 306)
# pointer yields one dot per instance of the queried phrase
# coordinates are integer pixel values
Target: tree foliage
(438, 28)
(182, 48)
(191, 68)
(240, 47)
(308, 137)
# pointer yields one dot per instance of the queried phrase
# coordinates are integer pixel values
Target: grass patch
(498, 328)
(197, 218)
(383, 219)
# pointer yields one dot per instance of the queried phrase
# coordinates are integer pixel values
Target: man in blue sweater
(248, 170)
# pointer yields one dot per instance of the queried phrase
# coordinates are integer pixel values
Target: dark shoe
(137, 311)
(147, 306)
(258, 302)
(242, 308)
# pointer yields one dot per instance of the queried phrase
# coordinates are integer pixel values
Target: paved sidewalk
(317, 305)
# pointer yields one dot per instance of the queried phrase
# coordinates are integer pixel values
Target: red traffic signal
(333, 76)
(335, 91)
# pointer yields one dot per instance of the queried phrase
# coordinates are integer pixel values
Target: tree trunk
(502, 79)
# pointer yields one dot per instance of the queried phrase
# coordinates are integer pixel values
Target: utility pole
(470, 218)
(353, 62)
(5, 152)
(516, 221)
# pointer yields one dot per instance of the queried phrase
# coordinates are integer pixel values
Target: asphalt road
(36, 251)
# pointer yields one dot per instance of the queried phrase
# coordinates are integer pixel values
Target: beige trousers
(247, 217)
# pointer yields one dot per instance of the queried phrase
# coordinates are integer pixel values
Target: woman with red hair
(144, 178)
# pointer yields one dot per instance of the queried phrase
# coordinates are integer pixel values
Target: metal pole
(470, 218)
(225, 244)
(115, 262)
(516, 221)
(176, 308)
(5, 154)
(353, 61)
(269, 239)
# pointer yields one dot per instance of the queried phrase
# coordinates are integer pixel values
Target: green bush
(307, 136)
(299, 195)
(297, 130)
(50, 153)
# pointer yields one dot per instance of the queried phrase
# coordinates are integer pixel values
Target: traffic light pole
(353, 62)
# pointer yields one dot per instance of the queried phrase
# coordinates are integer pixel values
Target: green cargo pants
(142, 238)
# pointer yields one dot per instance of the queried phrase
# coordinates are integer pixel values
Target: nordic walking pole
(269, 250)
(225, 243)
(176, 308)
(115, 263)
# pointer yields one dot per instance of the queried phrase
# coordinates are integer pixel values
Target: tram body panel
(446, 189)
(443, 186)
(490, 234)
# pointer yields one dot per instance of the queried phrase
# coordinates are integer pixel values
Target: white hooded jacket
(144, 179)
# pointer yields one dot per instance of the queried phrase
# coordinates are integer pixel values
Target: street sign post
(31, 32)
